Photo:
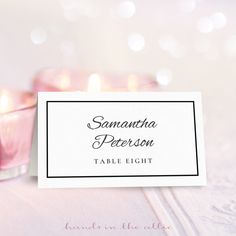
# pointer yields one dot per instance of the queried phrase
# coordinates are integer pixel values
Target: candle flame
(6, 103)
(94, 83)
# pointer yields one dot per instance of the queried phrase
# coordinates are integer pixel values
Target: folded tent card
(120, 139)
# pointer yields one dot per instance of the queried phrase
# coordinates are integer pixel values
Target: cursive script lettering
(99, 122)
(112, 141)
(103, 139)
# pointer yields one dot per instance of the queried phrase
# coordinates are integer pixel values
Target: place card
(120, 139)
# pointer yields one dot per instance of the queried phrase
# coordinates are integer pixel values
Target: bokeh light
(219, 20)
(187, 5)
(126, 9)
(169, 44)
(136, 42)
(38, 36)
(164, 76)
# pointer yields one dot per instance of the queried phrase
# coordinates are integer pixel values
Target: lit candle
(72, 80)
(17, 111)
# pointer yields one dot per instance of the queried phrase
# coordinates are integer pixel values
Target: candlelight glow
(64, 81)
(132, 83)
(6, 103)
(94, 83)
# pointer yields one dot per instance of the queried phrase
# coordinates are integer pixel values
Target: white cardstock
(120, 139)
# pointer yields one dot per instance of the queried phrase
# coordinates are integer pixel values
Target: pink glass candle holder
(72, 80)
(17, 112)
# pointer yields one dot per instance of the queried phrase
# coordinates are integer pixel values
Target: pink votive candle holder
(17, 113)
(54, 79)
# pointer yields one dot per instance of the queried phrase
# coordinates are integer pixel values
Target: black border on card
(103, 176)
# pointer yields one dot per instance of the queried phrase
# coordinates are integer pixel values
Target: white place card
(120, 139)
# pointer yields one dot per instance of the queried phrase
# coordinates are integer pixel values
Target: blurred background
(186, 44)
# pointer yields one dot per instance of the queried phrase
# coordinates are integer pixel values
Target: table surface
(211, 210)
